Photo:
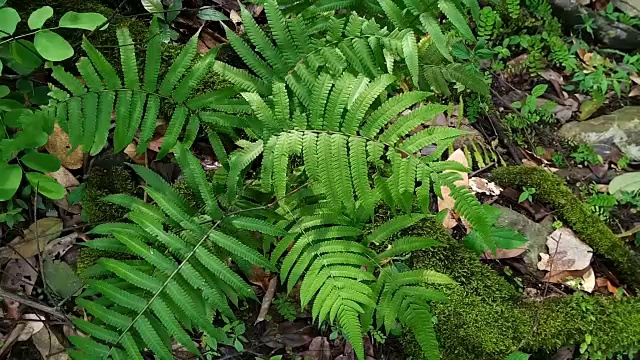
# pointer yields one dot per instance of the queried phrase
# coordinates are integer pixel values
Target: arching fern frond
(84, 111)
(183, 276)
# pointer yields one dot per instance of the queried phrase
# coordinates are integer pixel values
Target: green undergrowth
(486, 318)
(552, 190)
(104, 40)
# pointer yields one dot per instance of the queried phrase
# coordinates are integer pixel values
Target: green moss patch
(102, 180)
(485, 317)
(552, 190)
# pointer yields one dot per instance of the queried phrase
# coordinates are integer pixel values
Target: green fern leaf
(432, 26)
(128, 59)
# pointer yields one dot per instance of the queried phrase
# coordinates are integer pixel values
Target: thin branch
(30, 303)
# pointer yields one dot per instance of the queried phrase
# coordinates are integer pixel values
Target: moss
(104, 179)
(212, 81)
(486, 319)
(552, 190)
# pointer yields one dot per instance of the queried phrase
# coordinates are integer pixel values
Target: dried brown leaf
(59, 146)
(26, 246)
(65, 178)
(447, 202)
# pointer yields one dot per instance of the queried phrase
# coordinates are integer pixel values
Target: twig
(267, 299)
(47, 309)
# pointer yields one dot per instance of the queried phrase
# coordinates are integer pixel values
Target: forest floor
(562, 99)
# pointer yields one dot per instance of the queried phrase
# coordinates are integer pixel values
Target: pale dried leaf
(65, 178)
(634, 92)
(48, 345)
(60, 246)
(566, 252)
(483, 186)
(28, 245)
(131, 151)
(33, 324)
(19, 276)
(505, 253)
(58, 145)
(319, 349)
(447, 202)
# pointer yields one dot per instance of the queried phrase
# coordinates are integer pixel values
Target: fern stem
(186, 259)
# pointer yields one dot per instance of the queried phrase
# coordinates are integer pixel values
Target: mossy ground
(487, 319)
(553, 191)
(104, 179)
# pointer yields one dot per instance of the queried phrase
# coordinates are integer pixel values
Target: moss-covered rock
(106, 178)
(486, 319)
(552, 190)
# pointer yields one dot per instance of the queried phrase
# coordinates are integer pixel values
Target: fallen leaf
(61, 278)
(561, 276)
(26, 246)
(156, 143)
(131, 150)
(589, 107)
(288, 335)
(58, 145)
(33, 324)
(447, 202)
(19, 276)
(65, 178)
(504, 254)
(566, 252)
(260, 277)
(319, 349)
(626, 182)
(48, 345)
(483, 186)
(635, 79)
(60, 246)
(604, 282)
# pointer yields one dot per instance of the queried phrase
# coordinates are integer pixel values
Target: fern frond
(128, 59)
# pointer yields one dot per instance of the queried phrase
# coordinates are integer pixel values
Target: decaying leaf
(65, 178)
(629, 182)
(131, 151)
(447, 202)
(634, 92)
(589, 107)
(483, 186)
(288, 335)
(58, 145)
(28, 245)
(566, 252)
(33, 324)
(48, 345)
(19, 276)
(604, 282)
(61, 278)
(319, 349)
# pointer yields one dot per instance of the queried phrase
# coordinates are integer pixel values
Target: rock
(630, 7)
(612, 34)
(535, 232)
(620, 128)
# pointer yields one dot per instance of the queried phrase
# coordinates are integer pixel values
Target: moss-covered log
(486, 318)
(552, 190)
